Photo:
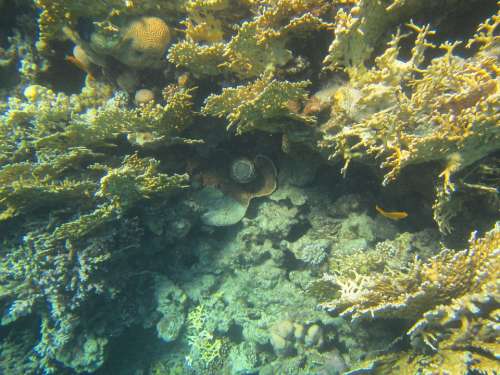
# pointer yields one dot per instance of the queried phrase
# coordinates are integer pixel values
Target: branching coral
(259, 45)
(360, 26)
(138, 179)
(451, 302)
(70, 188)
(206, 350)
(261, 105)
(451, 107)
(406, 113)
(200, 60)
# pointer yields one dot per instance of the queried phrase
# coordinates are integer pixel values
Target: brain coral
(147, 38)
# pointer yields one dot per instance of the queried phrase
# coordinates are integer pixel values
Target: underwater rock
(171, 303)
(314, 336)
(281, 337)
(288, 192)
(311, 250)
(86, 355)
(243, 359)
(299, 172)
(219, 209)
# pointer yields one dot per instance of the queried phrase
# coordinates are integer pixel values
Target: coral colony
(249, 187)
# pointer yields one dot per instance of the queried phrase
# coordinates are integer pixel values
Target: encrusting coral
(451, 303)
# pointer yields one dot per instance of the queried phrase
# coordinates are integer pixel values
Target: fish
(393, 215)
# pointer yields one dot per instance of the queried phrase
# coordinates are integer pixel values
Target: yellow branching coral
(451, 107)
(260, 43)
(138, 179)
(198, 59)
(206, 20)
(452, 302)
(360, 26)
(261, 105)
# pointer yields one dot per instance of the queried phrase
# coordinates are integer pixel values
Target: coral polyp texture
(207, 187)
(450, 302)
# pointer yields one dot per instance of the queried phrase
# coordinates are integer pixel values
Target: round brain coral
(146, 40)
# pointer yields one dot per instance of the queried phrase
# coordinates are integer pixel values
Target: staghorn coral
(450, 301)
(260, 105)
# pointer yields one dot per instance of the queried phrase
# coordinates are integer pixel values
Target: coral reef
(259, 45)
(450, 302)
(71, 194)
(413, 112)
(170, 194)
(261, 105)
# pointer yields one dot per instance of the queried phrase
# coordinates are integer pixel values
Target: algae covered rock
(171, 303)
(219, 209)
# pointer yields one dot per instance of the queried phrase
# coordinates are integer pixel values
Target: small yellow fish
(393, 215)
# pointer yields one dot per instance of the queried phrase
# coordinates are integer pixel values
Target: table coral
(451, 302)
